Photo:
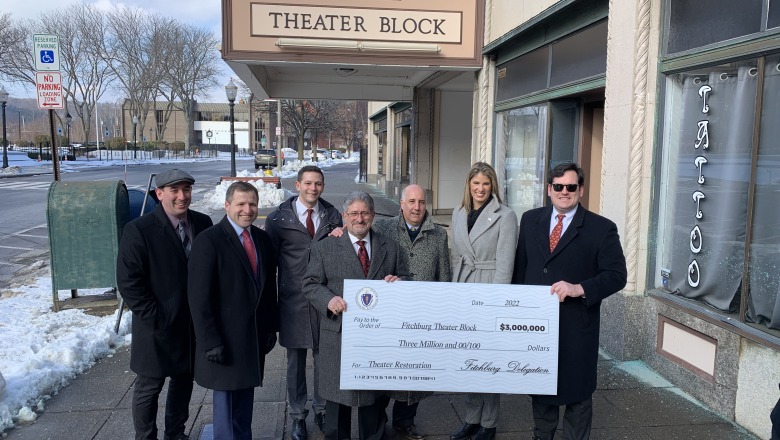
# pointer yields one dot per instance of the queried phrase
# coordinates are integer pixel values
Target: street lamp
(209, 134)
(3, 100)
(68, 119)
(231, 90)
(135, 141)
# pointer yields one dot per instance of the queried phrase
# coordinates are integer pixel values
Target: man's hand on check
(337, 305)
(391, 278)
(564, 289)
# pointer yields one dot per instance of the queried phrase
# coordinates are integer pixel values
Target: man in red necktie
(232, 293)
(360, 253)
(294, 226)
(578, 254)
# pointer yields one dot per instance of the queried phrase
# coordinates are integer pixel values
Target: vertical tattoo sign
(701, 145)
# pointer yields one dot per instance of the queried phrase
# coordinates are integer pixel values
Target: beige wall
(509, 14)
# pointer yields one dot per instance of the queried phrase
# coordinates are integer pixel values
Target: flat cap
(169, 177)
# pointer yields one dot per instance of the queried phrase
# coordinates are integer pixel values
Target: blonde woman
(484, 236)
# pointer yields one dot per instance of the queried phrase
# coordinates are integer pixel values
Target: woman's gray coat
(487, 253)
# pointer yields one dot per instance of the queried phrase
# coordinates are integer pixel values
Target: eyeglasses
(356, 214)
(571, 187)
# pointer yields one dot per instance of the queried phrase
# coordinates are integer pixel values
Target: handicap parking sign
(46, 50)
(47, 56)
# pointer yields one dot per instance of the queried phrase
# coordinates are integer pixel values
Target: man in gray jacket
(294, 227)
(425, 250)
(360, 253)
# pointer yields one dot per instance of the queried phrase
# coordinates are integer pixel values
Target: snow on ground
(41, 351)
(270, 196)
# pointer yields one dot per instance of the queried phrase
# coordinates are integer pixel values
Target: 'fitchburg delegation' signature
(512, 367)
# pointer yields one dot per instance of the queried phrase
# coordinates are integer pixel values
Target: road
(23, 227)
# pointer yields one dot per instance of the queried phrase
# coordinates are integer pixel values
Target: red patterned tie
(363, 257)
(249, 247)
(310, 222)
(555, 236)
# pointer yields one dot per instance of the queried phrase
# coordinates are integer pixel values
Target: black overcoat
(299, 321)
(588, 253)
(151, 274)
(231, 307)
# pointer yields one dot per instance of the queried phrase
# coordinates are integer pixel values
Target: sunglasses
(571, 187)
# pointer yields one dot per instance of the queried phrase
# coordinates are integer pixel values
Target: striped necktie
(185, 239)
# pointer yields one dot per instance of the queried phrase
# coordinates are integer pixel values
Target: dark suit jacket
(151, 273)
(589, 253)
(230, 307)
(334, 260)
(300, 323)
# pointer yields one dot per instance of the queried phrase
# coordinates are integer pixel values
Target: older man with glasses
(361, 253)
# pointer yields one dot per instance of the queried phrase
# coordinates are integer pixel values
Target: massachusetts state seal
(366, 298)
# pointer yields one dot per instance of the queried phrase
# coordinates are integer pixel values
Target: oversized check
(462, 337)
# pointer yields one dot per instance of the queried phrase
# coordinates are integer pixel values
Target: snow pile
(270, 196)
(41, 351)
(11, 170)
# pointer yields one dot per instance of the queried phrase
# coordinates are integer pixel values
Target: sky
(206, 14)
(42, 351)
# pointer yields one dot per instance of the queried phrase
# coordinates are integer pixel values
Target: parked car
(266, 159)
(322, 154)
(336, 154)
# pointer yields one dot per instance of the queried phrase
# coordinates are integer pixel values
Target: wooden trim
(688, 366)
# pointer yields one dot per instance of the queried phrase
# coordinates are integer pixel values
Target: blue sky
(204, 13)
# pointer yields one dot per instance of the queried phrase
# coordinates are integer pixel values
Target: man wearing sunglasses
(578, 254)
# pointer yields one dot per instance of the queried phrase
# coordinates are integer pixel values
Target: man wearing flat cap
(151, 272)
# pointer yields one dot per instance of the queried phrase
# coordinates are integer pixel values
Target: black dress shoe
(485, 434)
(177, 437)
(319, 420)
(299, 430)
(465, 432)
(409, 432)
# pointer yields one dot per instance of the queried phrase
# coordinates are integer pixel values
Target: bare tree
(135, 49)
(303, 115)
(192, 70)
(16, 41)
(349, 123)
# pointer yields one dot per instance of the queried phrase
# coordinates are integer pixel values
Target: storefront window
(382, 140)
(764, 299)
(522, 138)
(705, 189)
(693, 23)
(380, 130)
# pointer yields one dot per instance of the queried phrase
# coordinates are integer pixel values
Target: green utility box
(85, 220)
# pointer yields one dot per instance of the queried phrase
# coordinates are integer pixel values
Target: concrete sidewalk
(631, 402)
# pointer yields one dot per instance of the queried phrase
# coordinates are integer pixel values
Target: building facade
(668, 105)
(210, 125)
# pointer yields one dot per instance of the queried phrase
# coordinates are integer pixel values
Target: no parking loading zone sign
(48, 79)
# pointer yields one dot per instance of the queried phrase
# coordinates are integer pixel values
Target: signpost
(48, 84)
